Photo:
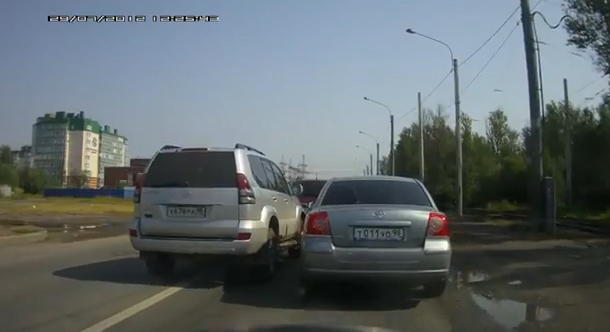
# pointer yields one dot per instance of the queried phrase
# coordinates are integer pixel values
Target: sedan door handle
(286, 200)
(274, 198)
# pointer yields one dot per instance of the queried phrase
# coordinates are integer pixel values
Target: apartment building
(113, 150)
(23, 157)
(83, 152)
(50, 145)
(70, 148)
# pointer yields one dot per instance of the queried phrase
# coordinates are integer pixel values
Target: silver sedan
(382, 228)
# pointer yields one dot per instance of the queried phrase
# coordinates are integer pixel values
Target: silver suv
(215, 202)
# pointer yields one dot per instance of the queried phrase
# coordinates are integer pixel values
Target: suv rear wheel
(295, 252)
(268, 256)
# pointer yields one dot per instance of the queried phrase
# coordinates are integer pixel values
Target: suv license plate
(187, 211)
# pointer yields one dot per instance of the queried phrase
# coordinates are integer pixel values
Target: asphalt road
(99, 284)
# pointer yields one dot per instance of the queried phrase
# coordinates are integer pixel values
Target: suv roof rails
(170, 147)
(249, 148)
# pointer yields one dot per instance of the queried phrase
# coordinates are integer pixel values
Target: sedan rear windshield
(375, 192)
(201, 169)
(312, 188)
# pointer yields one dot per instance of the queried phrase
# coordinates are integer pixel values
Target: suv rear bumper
(201, 246)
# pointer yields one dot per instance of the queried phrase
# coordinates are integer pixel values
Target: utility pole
(458, 138)
(302, 167)
(535, 146)
(371, 164)
(392, 142)
(568, 138)
(377, 145)
(421, 137)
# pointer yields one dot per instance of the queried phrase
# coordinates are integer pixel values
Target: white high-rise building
(68, 147)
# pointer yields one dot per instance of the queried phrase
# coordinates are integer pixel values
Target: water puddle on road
(71, 233)
(464, 278)
(509, 313)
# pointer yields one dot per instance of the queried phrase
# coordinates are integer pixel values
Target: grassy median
(18, 230)
(35, 206)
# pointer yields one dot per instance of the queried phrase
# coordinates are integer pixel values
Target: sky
(287, 77)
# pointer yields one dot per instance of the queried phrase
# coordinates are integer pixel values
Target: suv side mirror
(297, 189)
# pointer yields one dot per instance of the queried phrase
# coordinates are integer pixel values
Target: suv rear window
(375, 192)
(312, 188)
(192, 169)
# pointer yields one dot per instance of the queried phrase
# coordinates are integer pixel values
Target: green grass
(562, 212)
(597, 216)
(18, 230)
(504, 206)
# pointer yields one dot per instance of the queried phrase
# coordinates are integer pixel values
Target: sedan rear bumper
(322, 261)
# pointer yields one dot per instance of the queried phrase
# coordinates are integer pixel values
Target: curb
(6, 241)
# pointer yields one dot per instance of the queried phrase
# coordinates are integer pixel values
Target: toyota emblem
(379, 214)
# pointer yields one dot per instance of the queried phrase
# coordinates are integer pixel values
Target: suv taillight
(317, 223)
(438, 225)
(246, 194)
(138, 191)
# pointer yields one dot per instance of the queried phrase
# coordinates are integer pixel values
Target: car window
(375, 192)
(312, 188)
(282, 183)
(201, 169)
(258, 172)
(273, 182)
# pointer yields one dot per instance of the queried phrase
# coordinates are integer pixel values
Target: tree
(8, 175)
(6, 155)
(588, 28)
(33, 181)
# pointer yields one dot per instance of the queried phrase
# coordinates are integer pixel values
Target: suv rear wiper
(182, 184)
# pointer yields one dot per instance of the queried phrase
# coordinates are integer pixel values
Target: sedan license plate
(186, 211)
(379, 234)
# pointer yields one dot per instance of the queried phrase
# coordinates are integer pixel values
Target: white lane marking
(123, 315)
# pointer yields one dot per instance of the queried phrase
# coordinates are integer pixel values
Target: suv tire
(295, 252)
(269, 257)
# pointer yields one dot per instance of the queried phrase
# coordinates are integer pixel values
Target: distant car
(311, 190)
(377, 228)
(231, 202)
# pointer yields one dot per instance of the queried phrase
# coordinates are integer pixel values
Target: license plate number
(186, 211)
(379, 234)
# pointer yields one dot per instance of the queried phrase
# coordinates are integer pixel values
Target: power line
(492, 56)
(492, 35)
(589, 84)
(473, 54)
(429, 94)
(498, 30)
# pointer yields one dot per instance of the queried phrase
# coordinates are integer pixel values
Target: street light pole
(391, 131)
(370, 158)
(458, 137)
(421, 137)
(392, 151)
(458, 116)
(376, 146)
(377, 163)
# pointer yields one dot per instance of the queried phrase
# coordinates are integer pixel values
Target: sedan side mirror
(297, 189)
